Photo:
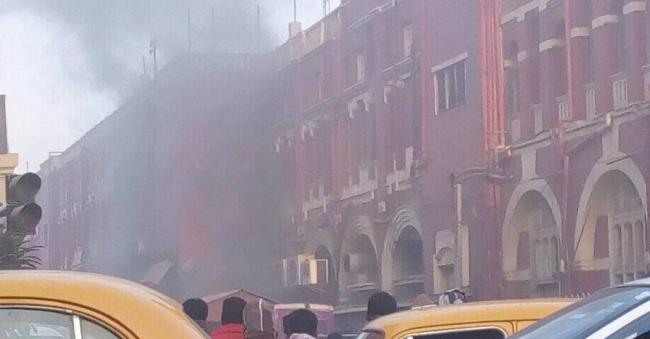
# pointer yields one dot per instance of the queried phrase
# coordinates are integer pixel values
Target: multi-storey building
(577, 108)
(384, 102)
(496, 147)
(501, 147)
(170, 189)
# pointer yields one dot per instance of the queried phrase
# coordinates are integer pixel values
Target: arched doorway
(531, 242)
(325, 266)
(402, 260)
(359, 268)
(611, 235)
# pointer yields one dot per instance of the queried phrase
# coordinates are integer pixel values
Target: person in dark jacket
(381, 304)
(197, 310)
(232, 320)
(286, 326)
(303, 324)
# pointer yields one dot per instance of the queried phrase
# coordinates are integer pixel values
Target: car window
(488, 333)
(27, 323)
(48, 324)
(640, 328)
(91, 330)
(371, 335)
(583, 318)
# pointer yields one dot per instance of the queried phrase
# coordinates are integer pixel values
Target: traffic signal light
(21, 212)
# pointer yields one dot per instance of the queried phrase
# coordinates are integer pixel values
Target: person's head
(196, 309)
(233, 311)
(381, 304)
(303, 321)
(286, 325)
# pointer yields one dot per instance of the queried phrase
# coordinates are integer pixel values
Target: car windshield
(582, 318)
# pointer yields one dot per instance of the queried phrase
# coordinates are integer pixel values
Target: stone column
(634, 17)
(604, 29)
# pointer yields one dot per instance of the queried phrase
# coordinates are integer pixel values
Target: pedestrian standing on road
(286, 326)
(197, 310)
(232, 320)
(381, 304)
(304, 324)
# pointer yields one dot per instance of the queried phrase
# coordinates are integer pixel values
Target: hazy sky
(66, 64)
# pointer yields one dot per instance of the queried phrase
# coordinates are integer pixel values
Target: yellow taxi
(64, 305)
(489, 320)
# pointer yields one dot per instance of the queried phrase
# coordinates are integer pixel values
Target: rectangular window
(466, 333)
(450, 83)
(563, 109)
(590, 97)
(407, 40)
(646, 85)
(620, 93)
(512, 92)
(539, 119)
(361, 67)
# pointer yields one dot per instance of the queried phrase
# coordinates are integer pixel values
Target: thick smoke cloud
(66, 64)
(116, 34)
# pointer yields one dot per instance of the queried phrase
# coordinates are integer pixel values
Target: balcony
(620, 91)
(590, 104)
(367, 183)
(398, 179)
(563, 108)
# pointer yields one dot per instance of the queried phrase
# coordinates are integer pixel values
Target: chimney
(4, 145)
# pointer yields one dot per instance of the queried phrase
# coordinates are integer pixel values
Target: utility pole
(189, 31)
(152, 51)
(295, 11)
(258, 27)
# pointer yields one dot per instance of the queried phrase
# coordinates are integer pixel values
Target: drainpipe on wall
(566, 158)
(461, 231)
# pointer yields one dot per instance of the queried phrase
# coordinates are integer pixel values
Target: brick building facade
(169, 189)
(502, 147)
(577, 95)
(385, 101)
(491, 155)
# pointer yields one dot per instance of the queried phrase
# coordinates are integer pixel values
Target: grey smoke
(84, 57)
(116, 34)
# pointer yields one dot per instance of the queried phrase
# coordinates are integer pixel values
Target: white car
(621, 312)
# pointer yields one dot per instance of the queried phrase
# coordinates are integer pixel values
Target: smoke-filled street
(302, 169)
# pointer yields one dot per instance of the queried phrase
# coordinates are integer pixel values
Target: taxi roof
(136, 307)
(488, 311)
(640, 282)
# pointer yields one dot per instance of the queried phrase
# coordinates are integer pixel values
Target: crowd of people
(299, 324)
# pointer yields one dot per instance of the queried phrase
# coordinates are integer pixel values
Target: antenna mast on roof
(327, 7)
(152, 51)
(295, 11)
(189, 31)
(258, 27)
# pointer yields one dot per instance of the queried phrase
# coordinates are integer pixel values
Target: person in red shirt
(232, 320)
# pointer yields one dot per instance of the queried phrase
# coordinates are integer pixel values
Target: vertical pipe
(258, 28)
(295, 11)
(458, 202)
(565, 156)
(4, 144)
(189, 31)
(487, 129)
(569, 57)
(424, 76)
